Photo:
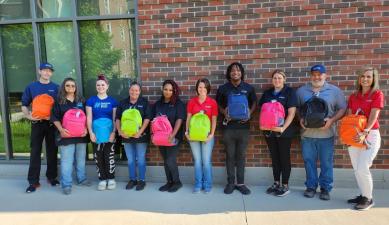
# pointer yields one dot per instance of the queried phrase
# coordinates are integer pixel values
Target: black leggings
(279, 148)
(104, 155)
(169, 155)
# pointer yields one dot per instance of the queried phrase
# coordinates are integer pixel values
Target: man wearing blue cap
(317, 141)
(40, 95)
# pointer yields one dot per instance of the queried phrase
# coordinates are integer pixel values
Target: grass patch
(20, 134)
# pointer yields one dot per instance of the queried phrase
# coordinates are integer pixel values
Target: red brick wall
(186, 40)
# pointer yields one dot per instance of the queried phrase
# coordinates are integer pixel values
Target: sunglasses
(70, 85)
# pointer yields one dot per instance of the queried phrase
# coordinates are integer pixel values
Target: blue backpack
(238, 107)
(102, 128)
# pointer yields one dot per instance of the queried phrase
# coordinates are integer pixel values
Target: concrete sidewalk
(86, 206)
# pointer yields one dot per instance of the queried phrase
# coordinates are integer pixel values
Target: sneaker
(229, 189)
(141, 185)
(364, 204)
(282, 191)
(111, 184)
(273, 189)
(53, 182)
(85, 183)
(131, 184)
(207, 190)
(324, 195)
(243, 189)
(67, 190)
(309, 193)
(32, 188)
(175, 187)
(165, 187)
(196, 190)
(355, 200)
(102, 185)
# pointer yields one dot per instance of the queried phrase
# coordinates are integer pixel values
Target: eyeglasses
(70, 85)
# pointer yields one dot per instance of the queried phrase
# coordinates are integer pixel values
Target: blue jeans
(202, 155)
(322, 148)
(68, 154)
(136, 152)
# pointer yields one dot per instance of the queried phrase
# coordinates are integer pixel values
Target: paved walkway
(86, 206)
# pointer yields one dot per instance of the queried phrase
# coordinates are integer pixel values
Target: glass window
(57, 47)
(14, 9)
(104, 51)
(54, 8)
(105, 7)
(19, 68)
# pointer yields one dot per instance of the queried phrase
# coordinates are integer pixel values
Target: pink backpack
(272, 115)
(161, 129)
(74, 120)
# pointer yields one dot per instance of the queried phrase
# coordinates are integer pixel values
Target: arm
(113, 133)
(143, 128)
(89, 118)
(176, 128)
(188, 117)
(333, 119)
(288, 121)
(213, 128)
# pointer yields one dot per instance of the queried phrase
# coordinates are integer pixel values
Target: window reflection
(54, 8)
(14, 9)
(105, 7)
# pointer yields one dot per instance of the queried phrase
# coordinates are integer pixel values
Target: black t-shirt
(59, 111)
(287, 97)
(222, 100)
(142, 105)
(173, 112)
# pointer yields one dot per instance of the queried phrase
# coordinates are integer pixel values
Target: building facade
(153, 40)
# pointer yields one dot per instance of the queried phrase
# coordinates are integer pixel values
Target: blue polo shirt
(335, 100)
(102, 108)
(37, 88)
(222, 99)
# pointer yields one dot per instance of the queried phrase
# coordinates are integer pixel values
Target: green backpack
(199, 127)
(131, 121)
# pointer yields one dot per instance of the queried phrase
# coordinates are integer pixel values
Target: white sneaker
(102, 185)
(111, 184)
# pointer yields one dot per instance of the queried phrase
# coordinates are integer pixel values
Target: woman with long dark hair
(72, 144)
(170, 105)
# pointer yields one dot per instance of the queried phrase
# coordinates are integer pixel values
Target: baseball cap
(319, 68)
(46, 65)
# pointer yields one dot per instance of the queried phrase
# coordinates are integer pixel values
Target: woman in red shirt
(202, 150)
(370, 100)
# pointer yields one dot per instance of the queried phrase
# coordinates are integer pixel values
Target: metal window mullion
(77, 50)
(137, 41)
(4, 107)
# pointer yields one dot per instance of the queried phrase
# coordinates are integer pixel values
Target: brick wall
(187, 40)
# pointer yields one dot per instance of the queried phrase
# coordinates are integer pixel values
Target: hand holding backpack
(199, 127)
(350, 126)
(131, 121)
(272, 115)
(314, 111)
(161, 129)
(74, 121)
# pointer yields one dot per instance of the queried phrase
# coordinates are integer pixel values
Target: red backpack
(74, 121)
(272, 115)
(161, 129)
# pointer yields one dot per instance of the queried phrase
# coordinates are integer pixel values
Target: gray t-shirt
(335, 100)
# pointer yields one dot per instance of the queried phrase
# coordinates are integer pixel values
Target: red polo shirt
(209, 106)
(366, 103)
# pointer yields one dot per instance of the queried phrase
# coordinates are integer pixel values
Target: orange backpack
(41, 106)
(350, 126)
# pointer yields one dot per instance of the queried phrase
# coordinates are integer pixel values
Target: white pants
(362, 159)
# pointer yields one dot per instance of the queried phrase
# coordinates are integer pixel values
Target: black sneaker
(131, 184)
(229, 189)
(165, 187)
(32, 188)
(243, 189)
(309, 193)
(175, 187)
(140, 185)
(282, 191)
(355, 200)
(324, 195)
(53, 182)
(364, 204)
(273, 189)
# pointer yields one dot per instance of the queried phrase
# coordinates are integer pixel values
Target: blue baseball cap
(46, 65)
(319, 68)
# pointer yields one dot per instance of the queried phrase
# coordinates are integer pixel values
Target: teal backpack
(199, 127)
(131, 121)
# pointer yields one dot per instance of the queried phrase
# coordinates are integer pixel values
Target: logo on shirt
(51, 90)
(208, 106)
(243, 91)
(102, 105)
(79, 105)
